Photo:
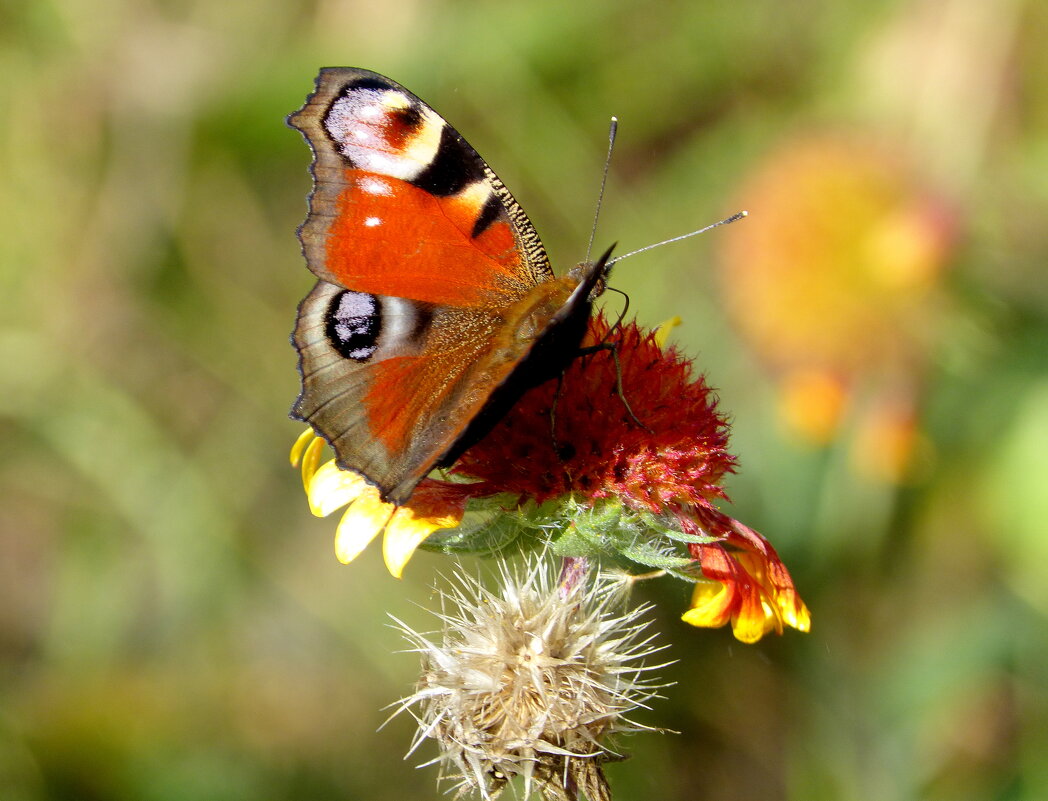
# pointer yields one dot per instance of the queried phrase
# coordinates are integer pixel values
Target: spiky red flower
(579, 436)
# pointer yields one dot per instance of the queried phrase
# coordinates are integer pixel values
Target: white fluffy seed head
(531, 680)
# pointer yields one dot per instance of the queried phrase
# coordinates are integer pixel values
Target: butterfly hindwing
(387, 382)
(434, 286)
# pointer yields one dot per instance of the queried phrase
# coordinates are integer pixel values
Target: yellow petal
(300, 445)
(794, 612)
(310, 460)
(406, 532)
(331, 488)
(363, 521)
(750, 627)
(709, 605)
(662, 333)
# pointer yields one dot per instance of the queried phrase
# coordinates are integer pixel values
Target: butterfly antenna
(733, 218)
(613, 130)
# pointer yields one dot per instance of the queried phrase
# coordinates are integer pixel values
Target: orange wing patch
(392, 238)
(409, 389)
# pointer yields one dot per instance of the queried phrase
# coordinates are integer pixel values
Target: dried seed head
(531, 681)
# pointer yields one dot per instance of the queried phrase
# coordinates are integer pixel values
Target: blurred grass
(173, 624)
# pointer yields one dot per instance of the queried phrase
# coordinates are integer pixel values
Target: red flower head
(593, 471)
(580, 438)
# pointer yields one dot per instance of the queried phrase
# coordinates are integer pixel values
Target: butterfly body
(436, 307)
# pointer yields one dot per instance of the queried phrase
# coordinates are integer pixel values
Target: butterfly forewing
(434, 285)
(402, 205)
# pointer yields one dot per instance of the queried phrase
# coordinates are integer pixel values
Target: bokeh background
(173, 623)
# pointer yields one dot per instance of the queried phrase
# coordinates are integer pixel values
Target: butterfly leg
(613, 347)
(622, 314)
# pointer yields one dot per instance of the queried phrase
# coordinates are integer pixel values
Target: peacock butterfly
(436, 307)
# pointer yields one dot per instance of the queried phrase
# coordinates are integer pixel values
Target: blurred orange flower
(834, 281)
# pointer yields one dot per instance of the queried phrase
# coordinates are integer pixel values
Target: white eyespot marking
(382, 131)
(376, 186)
(354, 325)
(356, 304)
(371, 112)
(371, 222)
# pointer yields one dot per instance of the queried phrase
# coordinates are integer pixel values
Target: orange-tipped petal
(750, 587)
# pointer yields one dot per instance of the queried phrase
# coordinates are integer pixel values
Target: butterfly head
(593, 275)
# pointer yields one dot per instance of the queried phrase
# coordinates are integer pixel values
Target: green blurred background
(173, 623)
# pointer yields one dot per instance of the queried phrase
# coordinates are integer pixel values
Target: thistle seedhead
(531, 680)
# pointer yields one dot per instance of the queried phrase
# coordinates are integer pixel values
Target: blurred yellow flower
(834, 281)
